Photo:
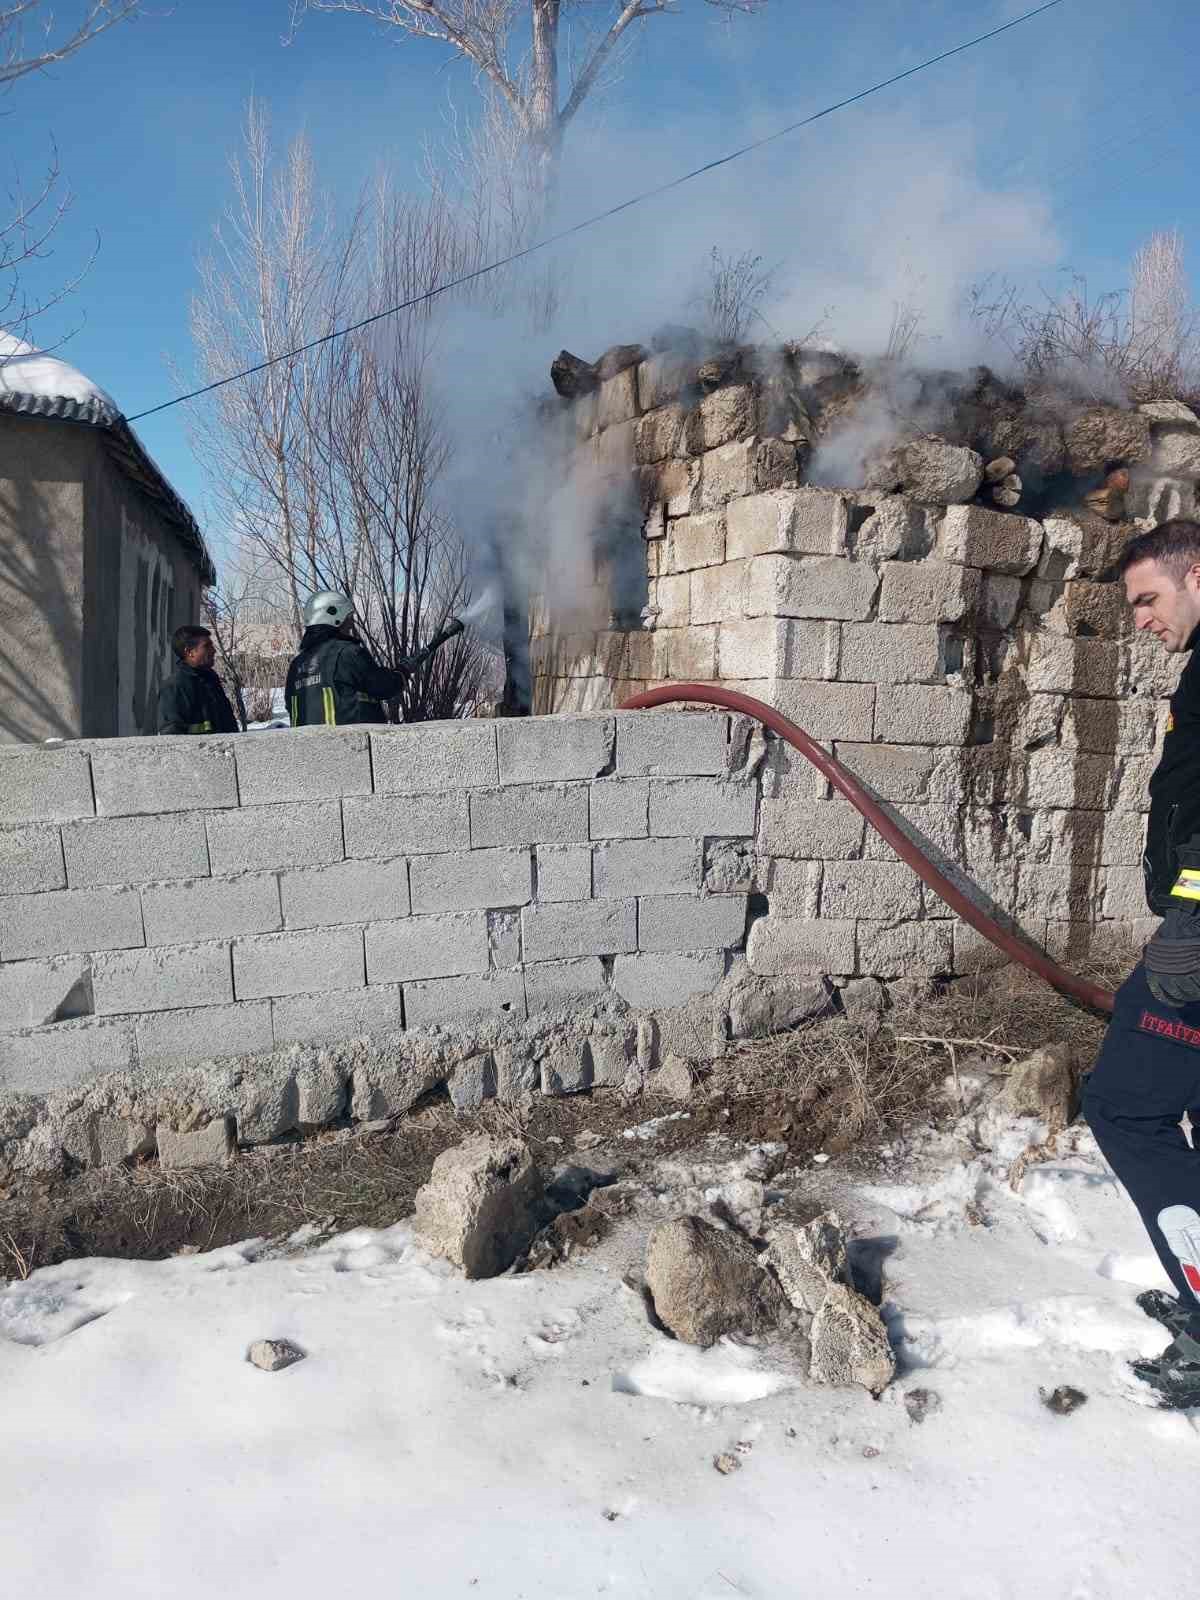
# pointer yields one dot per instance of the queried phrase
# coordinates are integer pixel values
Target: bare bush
(1142, 342)
(733, 295)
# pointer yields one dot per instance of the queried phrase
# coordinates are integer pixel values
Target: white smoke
(883, 212)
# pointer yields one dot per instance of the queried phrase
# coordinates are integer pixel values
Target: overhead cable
(601, 216)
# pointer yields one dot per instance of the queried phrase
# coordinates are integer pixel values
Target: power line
(602, 216)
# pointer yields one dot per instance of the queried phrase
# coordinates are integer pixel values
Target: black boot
(1164, 1308)
(1174, 1375)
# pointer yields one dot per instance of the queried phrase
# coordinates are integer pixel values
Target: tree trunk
(545, 131)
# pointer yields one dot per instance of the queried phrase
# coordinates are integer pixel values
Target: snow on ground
(533, 1438)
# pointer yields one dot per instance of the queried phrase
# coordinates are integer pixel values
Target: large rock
(706, 1283)
(674, 1079)
(935, 471)
(1106, 434)
(482, 1204)
(809, 1261)
(273, 1355)
(572, 376)
(1044, 1085)
(850, 1343)
(761, 1007)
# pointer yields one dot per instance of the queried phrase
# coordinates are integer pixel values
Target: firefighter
(1144, 1093)
(192, 699)
(333, 681)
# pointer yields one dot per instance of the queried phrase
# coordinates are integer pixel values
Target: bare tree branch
(15, 62)
(32, 220)
(482, 32)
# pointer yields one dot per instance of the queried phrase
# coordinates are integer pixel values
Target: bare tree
(327, 465)
(31, 40)
(519, 49)
(1143, 342)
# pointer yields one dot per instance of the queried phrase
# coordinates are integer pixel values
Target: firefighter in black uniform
(333, 681)
(192, 699)
(1144, 1093)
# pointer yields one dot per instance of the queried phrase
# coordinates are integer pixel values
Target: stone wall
(496, 905)
(973, 665)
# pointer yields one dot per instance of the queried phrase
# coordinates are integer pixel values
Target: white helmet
(328, 608)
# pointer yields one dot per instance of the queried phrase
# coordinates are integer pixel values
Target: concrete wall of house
(973, 666)
(42, 578)
(92, 582)
(129, 623)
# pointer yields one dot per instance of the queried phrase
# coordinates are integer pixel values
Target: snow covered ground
(534, 1437)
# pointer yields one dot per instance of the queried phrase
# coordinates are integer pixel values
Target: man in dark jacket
(192, 699)
(333, 682)
(1144, 1094)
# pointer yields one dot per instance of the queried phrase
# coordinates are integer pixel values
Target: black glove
(454, 626)
(1172, 958)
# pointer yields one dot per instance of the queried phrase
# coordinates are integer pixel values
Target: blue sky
(1065, 142)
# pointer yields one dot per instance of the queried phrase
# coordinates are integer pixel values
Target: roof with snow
(35, 384)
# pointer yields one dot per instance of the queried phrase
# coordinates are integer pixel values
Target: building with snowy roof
(100, 560)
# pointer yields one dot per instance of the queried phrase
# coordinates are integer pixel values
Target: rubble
(935, 471)
(809, 1260)
(1063, 1400)
(1103, 435)
(1044, 1085)
(573, 377)
(706, 1282)
(850, 1343)
(481, 1206)
(273, 1355)
(674, 1079)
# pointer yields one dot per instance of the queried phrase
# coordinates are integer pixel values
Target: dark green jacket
(334, 682)
(193, 701)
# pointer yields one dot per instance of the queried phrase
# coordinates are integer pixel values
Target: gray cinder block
(123, 850)
(167, 978)
(472, 880)
(427, 947)
(318, 764)
(40, 784)
(298, 963)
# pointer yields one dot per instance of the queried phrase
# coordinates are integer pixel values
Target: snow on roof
(36, 384)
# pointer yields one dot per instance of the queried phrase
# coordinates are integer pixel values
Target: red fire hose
(1089, 994)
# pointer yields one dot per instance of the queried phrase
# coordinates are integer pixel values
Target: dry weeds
(823, 1086)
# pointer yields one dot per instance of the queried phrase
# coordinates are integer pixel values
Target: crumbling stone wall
(948, 628)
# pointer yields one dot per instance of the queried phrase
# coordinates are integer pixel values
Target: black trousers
(1147, 1075)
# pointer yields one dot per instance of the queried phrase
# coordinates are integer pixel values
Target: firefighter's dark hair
(1175, 545)
(184, 638)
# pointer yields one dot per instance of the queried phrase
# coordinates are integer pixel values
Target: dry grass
(846, 1079)
(827, 1086)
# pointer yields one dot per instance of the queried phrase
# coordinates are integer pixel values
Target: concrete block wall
(167, 902)
(973, 666)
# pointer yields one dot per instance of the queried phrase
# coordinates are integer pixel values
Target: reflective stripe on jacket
(334, 683)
